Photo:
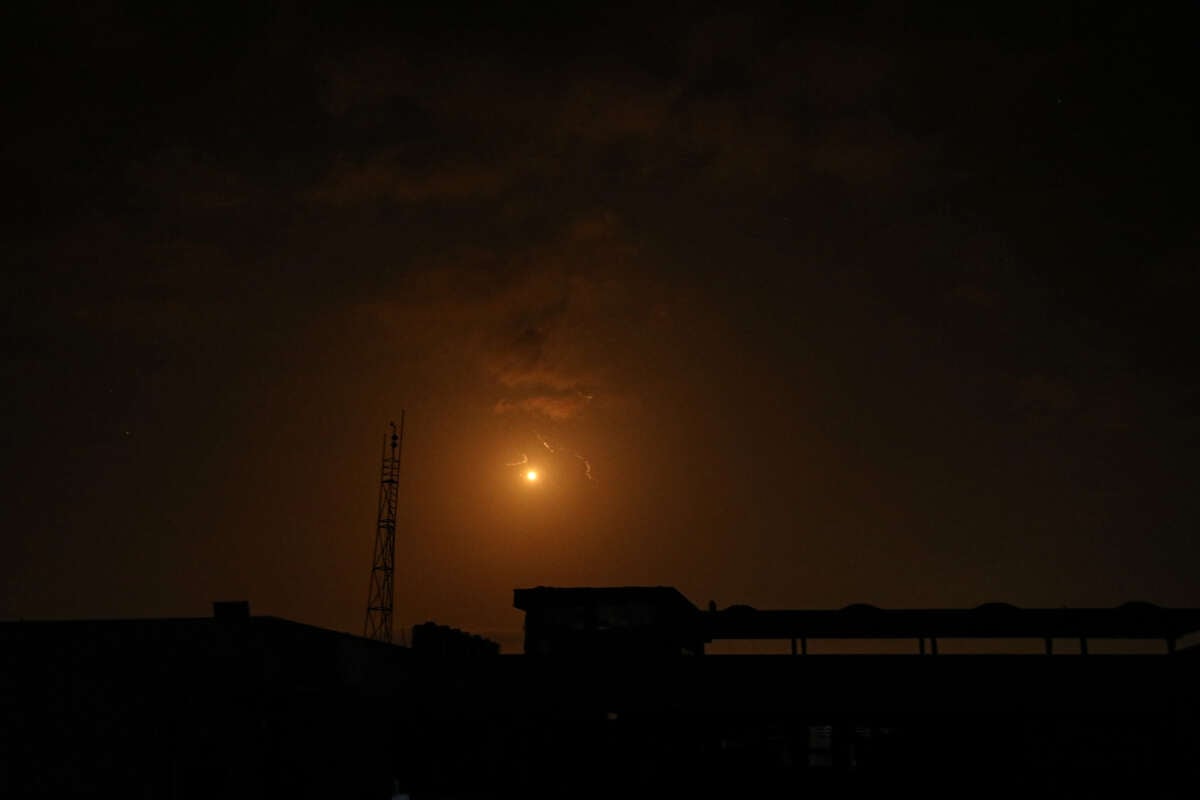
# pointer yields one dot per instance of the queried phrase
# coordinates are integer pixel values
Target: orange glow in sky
(531, 476)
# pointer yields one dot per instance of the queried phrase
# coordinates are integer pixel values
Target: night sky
(789, 308)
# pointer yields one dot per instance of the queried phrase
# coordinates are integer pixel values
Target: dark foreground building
(619, 703)
(232, 705)
(645, 621)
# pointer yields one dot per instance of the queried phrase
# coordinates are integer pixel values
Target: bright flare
(531, 475)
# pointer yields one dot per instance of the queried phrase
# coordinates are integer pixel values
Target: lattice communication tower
(378, 624)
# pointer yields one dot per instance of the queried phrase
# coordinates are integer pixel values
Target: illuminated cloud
(554, 407)
(540, 381)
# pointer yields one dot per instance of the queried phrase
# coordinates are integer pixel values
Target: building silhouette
(645, 621)
(615, 699)
(658, 620)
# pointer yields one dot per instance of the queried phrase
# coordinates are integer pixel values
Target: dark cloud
(385, 178)
(188, 181)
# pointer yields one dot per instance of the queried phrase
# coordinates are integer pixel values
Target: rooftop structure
(610, 620)
(658, 619)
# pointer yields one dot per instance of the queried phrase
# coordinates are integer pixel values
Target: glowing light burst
(531, 475)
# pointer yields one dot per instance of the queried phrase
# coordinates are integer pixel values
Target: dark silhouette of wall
(246, 706)
(431, 639)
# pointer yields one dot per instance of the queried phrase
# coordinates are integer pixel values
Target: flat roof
(992, 620)
(1134, 620)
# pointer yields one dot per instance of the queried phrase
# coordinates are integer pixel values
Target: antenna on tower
(378, 623)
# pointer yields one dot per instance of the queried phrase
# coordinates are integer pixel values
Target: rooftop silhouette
(659, 619)
(245, 705)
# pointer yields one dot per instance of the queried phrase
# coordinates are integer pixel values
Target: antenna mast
(378, 624)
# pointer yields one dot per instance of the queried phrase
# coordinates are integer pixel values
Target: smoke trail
(524, 460)
(554, 450)
(587, 467)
